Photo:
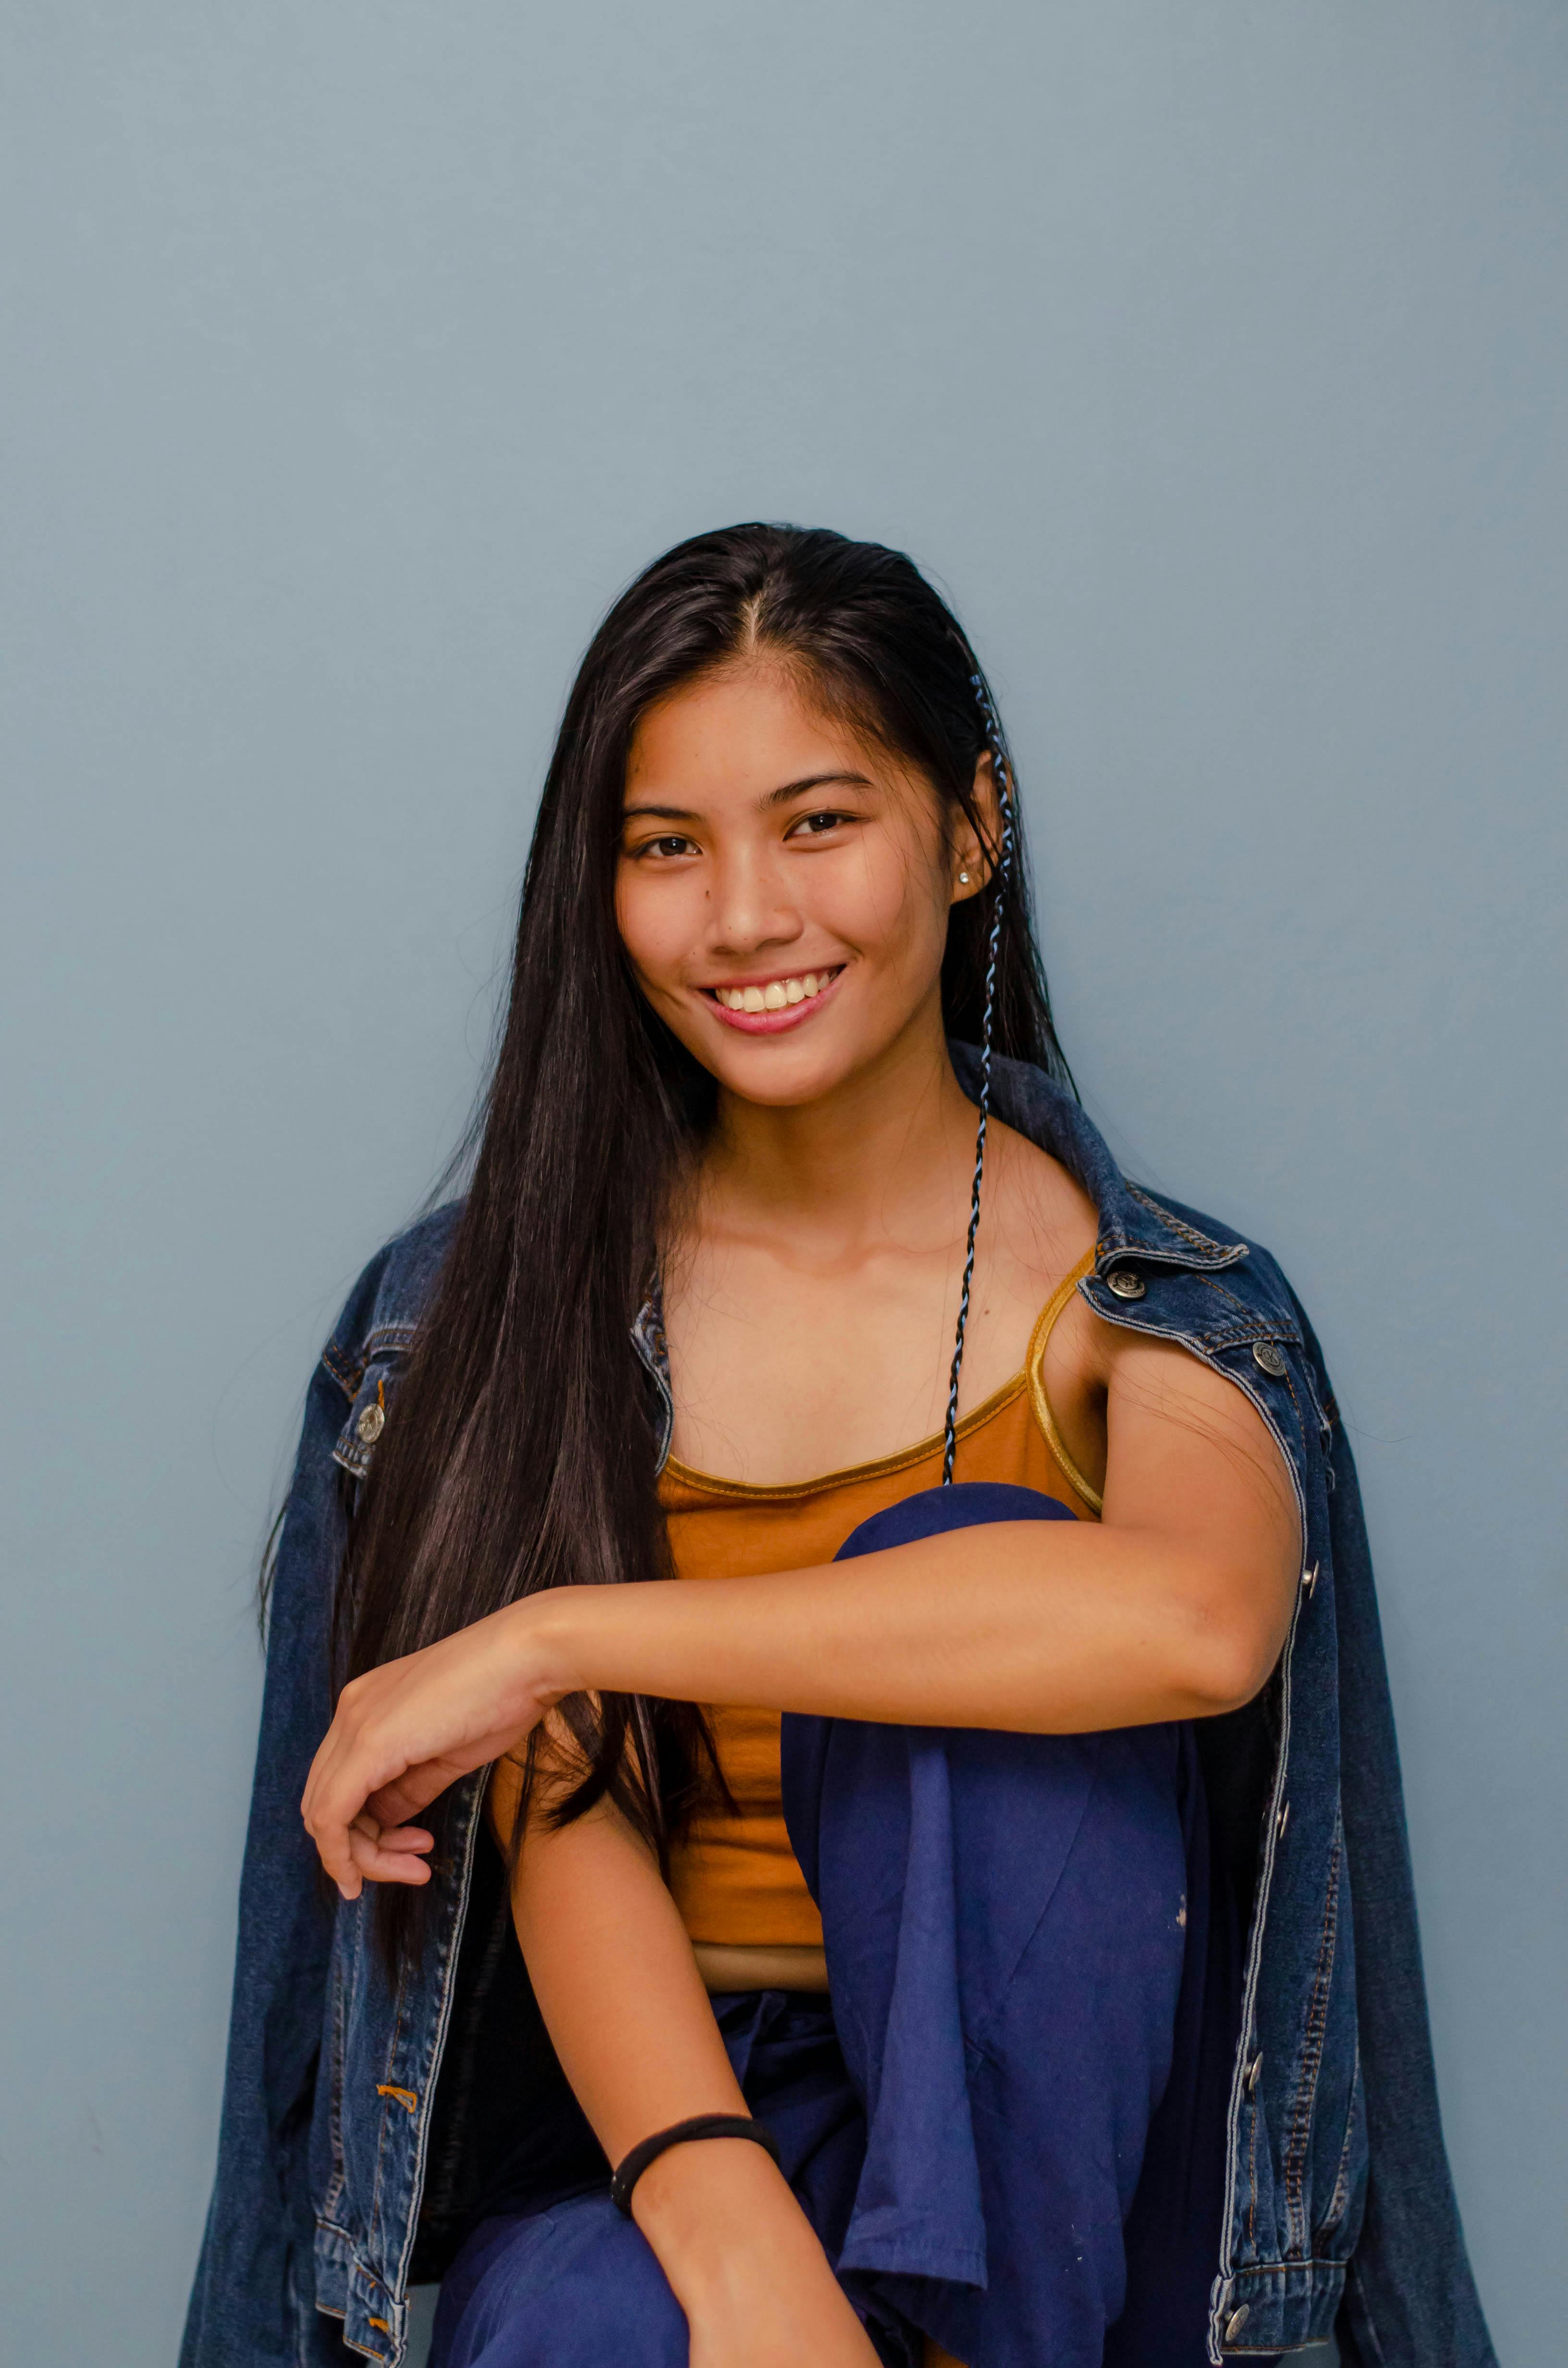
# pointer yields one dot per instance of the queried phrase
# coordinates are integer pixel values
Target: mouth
(766, 1007)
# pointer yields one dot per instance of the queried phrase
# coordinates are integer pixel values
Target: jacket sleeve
(1409, 2293)
(252, 2303)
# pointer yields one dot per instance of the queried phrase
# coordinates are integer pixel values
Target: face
(783, 885)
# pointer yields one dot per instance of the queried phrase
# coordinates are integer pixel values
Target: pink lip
(770, 1023)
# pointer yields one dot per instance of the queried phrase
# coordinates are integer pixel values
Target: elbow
(1230, 1663)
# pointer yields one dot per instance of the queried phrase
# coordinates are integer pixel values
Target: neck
(890, 1149)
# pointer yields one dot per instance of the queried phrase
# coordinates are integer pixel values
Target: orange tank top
(735, 1879)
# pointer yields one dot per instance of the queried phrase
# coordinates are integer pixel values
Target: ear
(974, 850)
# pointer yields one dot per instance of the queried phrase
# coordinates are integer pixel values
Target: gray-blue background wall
(1211, 357)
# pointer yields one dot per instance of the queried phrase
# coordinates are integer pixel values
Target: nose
(752, 907)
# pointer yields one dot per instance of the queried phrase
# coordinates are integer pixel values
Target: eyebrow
(778, 797)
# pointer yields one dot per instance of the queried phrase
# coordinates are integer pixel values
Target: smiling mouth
(775, 994)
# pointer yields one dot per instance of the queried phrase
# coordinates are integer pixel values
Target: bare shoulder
(1049, 1225)
(1048, 1222)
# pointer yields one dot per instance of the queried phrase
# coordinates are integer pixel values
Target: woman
(872, 1638)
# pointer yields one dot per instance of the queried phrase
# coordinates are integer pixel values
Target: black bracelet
(701, 2126)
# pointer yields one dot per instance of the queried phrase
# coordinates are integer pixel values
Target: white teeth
(776, 995)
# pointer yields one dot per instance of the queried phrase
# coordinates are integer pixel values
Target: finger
(333, 1850)
(393, 1837)
(335, 1794)
(328, 1830)
(407, 1794)
(374, 1862)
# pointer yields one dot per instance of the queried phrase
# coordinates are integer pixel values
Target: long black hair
(521, 1451)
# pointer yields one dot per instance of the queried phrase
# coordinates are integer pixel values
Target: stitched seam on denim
(1320, 1408)
(1177, 1225)
(1234, 1336)
(345, 1376)
(1212, 1282)
(373, 2217)
(1252, 2176)
(390, 1336)
(1252, 1325)
(335, 2184)
(1303, 2270)
(1341, 2195)
(1249, 1325)
(1317, 2020)
(447, 1980)
(1222, 1336)
(349, 1374)
(370, 2279)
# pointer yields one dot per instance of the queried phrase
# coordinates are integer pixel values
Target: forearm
(1022, 1626)
(617, 1984)
(616, 1981)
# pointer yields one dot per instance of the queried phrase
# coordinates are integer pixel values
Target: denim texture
(338, 2151)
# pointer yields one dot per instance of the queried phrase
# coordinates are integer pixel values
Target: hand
(403, 1733)
(744, 2262)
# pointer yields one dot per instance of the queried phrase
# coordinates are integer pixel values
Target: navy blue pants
(1007, 2127)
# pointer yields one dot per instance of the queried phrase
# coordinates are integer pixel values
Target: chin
(780, 1081)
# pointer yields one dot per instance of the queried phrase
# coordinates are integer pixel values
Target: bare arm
(1174, 1606)
(621, 1998)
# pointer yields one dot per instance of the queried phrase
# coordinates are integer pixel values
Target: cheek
(652, 924)
(894, 906)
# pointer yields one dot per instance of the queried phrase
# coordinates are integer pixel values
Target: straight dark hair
(521, 1451)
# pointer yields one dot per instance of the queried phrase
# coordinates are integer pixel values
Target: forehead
(742, 732)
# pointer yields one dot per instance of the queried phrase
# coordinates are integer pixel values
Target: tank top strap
(1034, 1369)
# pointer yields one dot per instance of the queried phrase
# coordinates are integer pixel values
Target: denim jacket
(355, 2106)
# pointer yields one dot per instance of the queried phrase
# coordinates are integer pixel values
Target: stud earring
(963, 879)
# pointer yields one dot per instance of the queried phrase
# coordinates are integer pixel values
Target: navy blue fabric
(568, 2281)
(1008, 2128)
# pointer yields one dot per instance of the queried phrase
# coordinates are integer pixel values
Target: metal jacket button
(1235, 2322)
(1125, 1285)
(371, 1424)
(1269, 1357)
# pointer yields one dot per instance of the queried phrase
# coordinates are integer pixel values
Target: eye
(666, 849)
(817, 825)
